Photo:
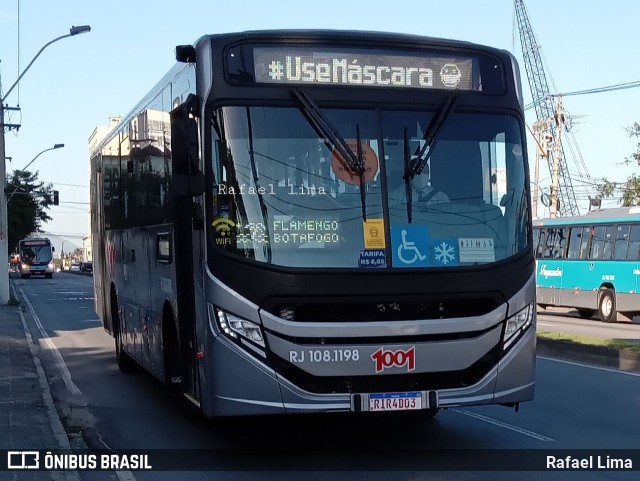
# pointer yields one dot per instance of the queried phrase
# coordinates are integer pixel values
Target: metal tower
(546, 110)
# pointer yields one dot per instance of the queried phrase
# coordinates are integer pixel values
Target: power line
(608, 88)
(70, 185)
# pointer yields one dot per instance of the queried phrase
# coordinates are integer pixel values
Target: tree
(630, 189)
(27, 209)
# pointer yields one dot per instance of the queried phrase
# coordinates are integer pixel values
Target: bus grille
(337, 310)
(387, 383)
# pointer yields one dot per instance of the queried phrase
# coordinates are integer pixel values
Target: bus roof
(365, 36)
(600, 216)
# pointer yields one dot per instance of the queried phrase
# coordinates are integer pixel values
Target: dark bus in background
(260, 247)
(36, 257)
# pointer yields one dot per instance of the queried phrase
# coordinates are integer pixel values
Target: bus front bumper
(247, 386)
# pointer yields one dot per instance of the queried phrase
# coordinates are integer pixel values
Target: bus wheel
(171, 348)
(607, 306)
(586, 313)
(125, 362)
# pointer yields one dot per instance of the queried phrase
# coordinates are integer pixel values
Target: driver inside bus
(28, 255)
(423, 193)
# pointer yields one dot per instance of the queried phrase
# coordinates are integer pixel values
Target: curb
(55, 422)
(622, 359)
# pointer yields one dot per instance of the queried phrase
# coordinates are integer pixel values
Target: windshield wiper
(323, 126)
(431, 136)
(407, 173)
(415, 167)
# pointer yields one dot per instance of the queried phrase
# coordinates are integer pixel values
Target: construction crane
(551, 119)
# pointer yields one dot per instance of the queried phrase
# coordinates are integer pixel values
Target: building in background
(99, 133)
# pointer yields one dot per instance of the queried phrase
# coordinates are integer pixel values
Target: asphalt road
(558, 319)
(576, 407)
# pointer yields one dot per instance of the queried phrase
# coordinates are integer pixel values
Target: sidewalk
(28, 419)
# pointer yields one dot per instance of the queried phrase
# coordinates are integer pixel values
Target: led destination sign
(287, 231)
(283, 65)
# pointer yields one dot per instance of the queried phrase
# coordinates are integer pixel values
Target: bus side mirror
(189, 180)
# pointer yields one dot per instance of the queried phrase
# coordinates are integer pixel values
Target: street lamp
(4, 248)
(72, 31)
(56, 146)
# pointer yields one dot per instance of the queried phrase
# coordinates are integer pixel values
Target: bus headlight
(25, 267)
(234, 326)
(50, 266)
(517, 324)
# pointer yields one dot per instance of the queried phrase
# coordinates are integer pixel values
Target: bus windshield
(283, 195)
(35, 252)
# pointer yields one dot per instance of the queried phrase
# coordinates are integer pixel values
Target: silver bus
(311, 221)
(36, 257)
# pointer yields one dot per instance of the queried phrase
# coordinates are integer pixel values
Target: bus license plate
(395, 401)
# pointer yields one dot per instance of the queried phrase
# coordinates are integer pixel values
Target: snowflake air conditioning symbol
(445, 253)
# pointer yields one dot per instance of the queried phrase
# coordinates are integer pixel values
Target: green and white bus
(590, 262)
(248, 250)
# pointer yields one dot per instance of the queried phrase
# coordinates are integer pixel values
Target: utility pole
(557, 158)
(4, 224)
(542, 137)
(543, 103)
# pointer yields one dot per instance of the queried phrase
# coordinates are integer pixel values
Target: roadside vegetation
(591, 341)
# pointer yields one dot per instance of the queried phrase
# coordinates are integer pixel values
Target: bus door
(188, 183)
(97, 240)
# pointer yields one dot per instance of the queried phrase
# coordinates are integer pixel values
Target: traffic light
(56, 199)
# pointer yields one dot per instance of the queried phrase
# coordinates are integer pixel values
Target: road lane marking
(66, 376)
(59, 361)
(121, 475)
(590, 366)
(543, 324)
(501, 424)
(71, 299)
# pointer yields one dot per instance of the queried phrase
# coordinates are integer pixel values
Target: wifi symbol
(223, 226)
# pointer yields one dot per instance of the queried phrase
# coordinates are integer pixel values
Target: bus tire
(125, 362)
(25, 276)
(171, 352)
(586, 313)
(48, 276)
(607, 306)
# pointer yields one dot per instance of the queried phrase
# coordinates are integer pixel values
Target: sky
(77, 83)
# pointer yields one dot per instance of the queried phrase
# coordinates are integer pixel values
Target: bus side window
(609, 236)
(633, 253)
(622, 242)
(574, 243)
(579, 243)
(550, 239)
(597, 242)
(536, 239)
(541, 243)
(560, 243)
(584, 242)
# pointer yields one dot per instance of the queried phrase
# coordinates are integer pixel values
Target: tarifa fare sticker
(345, 174)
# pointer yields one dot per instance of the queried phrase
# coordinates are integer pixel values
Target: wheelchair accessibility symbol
(408, 253)
(410, 246)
